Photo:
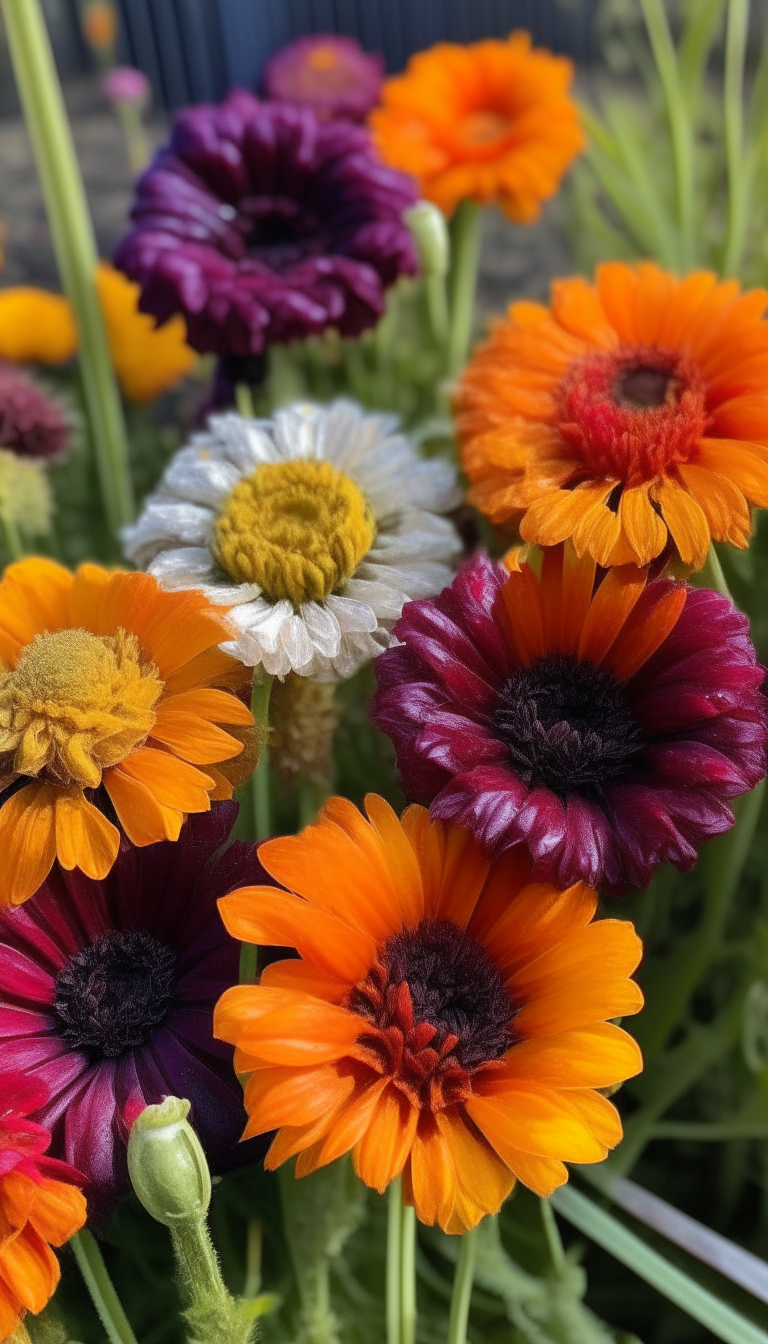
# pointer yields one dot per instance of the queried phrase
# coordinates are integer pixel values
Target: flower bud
(167, 1165)
(430, 233)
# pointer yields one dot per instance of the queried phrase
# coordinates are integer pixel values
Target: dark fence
(194, 50)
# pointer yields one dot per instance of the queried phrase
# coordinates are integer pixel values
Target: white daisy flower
(316, 526)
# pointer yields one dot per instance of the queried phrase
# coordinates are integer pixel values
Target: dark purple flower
(33, 423)
(602, 727)
(261, 223)
(107, 992)
(329, 73)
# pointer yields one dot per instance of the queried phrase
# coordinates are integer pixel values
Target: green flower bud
(430, 233)
(167, 1165)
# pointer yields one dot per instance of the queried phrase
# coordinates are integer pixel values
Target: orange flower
(36, 327)
(147, 359)
(111, 693)
(489, 122)
(632, 412)
(39, 1205)
(446, 1019)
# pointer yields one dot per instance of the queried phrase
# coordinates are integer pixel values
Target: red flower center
(440, 1009)
(632, 415)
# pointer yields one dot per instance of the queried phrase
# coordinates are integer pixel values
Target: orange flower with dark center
(631, 413)
(488, 122)
(446, 1020)
(112, 693)
(40, 1205)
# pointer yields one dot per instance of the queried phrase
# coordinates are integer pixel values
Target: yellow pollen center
(322, 58)
(75, 704)
(297, 529)
(483, 128)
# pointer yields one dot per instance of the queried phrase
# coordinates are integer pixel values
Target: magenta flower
(107, 992)
(331, 74)
(33, 423)
(126, 84)
(260, 223)
(603, 727)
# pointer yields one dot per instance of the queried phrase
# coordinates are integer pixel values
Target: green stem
(462, 1288)
(262, 797)
(408, 1276)
(394, 1255)
(97, 1281)
(199, 1273)
(465, 258)
(552, 1233)
(715, 1132)
(711, 575)
(73, 241)
(136, 143)
(680, 123)
(733, 106)
(253, 1258)
(244, 401)
(14, 548)
(437, 307)
(249, 963)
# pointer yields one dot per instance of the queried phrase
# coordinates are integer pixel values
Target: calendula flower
(329, 73)
(446, 1018)
(260, 223)
(315, 526)
(631, 413)
(602, 726)
(41, 1205)
(36, 327)
(147, 359)
(110, 704)
(107, 992)
(491, 122)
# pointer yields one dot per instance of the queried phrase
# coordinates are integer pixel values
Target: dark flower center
(110, 997)
(439, 988)
(279, 231)
(643, 387)
(567, 725)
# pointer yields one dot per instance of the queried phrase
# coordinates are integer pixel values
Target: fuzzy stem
(665, 57)
(552, 1233)
(244, 400)
(199, 1274)
(260, 784)
(462, 1288)
(14, 548)
(465, 258)
(733, 107)
(408, 1275)
(73, 241)
(97, 1281)
(712, 576)
(394, 1254)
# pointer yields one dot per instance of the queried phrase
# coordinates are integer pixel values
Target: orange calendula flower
(147, 359)
(488, 122)
(36, 327)
(446, 1019)
(631, 413)
(40, 1205)
(112, 693)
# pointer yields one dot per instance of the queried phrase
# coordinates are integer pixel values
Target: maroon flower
(107, 992)
(331, 74)
(603, 727)
(260, 223)
(33, 423)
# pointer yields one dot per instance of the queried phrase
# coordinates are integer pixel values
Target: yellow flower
(36, 327)
(147, 359)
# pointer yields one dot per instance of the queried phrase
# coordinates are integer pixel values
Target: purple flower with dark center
(603, 725)
(261, 223)
(329, 73)
(107, 992)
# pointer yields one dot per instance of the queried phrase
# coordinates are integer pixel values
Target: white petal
(184, 567)
(296, 642)
(352, 616)
(244, 443)
(417, 581)
(162, 523)
(198, 475)
(263, 621)
(385, 602)
(322, 627)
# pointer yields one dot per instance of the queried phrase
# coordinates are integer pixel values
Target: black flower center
(642, 388)
(279, 231)
(567, 725)
(454, 987)
(110, 997)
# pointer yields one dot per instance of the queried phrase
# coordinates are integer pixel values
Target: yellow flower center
(75, 704)
(297, 529)
(322, 58)
(483, 128)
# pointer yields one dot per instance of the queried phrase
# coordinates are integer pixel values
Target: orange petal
(208, 703)
(380, 1155)
(451, 865)
(523, 615)
(597, 1056)
(402, 862)
(85, 839)
(59, 1210)
(278, 1096)
(172, 627)
(542, 1175)
(432, 1174)
(142, 817)
(174, 783)
(305, 977)
(576, 305)
(27, 841)
(685, 520)
(301, 1031)
(536, 918)
(642, 525)
(609, 609)
(652, 620)
(29, 1264)
(350, 1123)
(483, 1179)
(540, 1121)
(578, 579)
(267, 916)
(741, 463)
(193, 739)
(721, 502)
(33, 599)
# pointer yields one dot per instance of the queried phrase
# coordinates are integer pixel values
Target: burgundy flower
(603, 727)
(107, 992)
(33, 423)
(260, 223)
(329, 73)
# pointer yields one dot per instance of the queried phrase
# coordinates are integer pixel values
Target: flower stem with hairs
(96, 1277)
(262, 803)
(408, 1276)
(465, 257)
(462, 1288)
(394, 1254)
(72, 232)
